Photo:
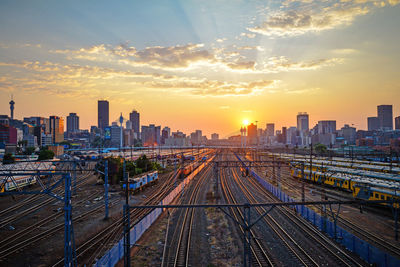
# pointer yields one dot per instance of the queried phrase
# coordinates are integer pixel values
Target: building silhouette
(72, 123)
(103, 113)
(385, 116)
(134, 117)
(302, 121)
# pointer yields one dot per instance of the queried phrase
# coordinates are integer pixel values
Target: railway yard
(32, 226)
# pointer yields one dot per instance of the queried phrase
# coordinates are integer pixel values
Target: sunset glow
(201, 64)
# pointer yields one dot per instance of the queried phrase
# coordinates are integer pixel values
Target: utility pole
(311, 153)
(127, 241)
(106, 188)
(303, 196)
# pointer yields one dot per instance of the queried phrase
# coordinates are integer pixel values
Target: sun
(246, 122)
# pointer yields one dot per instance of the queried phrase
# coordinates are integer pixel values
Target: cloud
(283, 64)
(292, 23)
(214, 88)
(76, 80)
(190, 57)
(345, 51)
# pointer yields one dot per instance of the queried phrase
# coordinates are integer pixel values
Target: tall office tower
(284, 135)
(72, 123)
(103, 112)
(373, 123)
(325, 127)
(12, 108)
(252, 134)
(302, 122)
(134, 117)
(397, 123)
(270, 129)
(57, 129)
(214, 136)
(385, 116)
(151, 135)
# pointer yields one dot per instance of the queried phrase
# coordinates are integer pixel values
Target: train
(20, 181)
(362, 188)
(137, 183)
(383, 167)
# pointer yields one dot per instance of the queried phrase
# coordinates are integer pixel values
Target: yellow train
(366, 189)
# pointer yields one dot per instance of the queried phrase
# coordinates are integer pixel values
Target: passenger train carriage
(361, 187)
(139, 182)
(20, 181)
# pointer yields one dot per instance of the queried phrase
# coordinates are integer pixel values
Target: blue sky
(220, 61)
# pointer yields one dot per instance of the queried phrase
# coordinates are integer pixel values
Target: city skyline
(201, 65)
(244, 122)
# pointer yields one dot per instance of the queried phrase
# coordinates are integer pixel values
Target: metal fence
(115, 254)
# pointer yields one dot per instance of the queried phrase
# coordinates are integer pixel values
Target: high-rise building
(103, 113)
(349, 134)
(302, 122)
(57, 129)
(151, 135)
(128, 125)
(72, 123)
(214, 136)
(115, 135)
(252, 134)
(270, 129)
(397, 123)
(325, 127)
(284, 135)
(134, 117)
(385, 116)
(165, 134)
(373, 123)
(8, 134)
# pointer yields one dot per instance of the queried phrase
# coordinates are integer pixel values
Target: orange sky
(202, 65)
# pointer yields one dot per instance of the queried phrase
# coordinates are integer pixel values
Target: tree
(8, 159)
(29, 150)
(97, 142)
(46, 154)
(320, 149)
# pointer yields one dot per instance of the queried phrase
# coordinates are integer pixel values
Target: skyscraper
(72, 123)
(57, 129)
(325, 127)
(103, 114)
(302, 121)
(134, 117)
(151, 135)
(373, 123)
(252, 134)
(270, 129)
(385, 116)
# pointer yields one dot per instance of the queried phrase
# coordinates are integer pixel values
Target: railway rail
(261, 256)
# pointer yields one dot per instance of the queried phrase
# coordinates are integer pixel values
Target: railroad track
(366, 235)
(339, 255)
(93, 247)
(181, 257)
(261, 256)
(12, 247)
(43, 200)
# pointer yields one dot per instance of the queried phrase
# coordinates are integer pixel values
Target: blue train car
(139, 182)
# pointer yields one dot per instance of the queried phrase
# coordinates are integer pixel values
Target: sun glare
(245, 122)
